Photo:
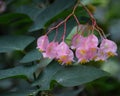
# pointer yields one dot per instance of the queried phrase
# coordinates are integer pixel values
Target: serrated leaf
(18, 72)
(52, 10)
(10, 43)
(77, 75)
(46, 76)
(31, 56)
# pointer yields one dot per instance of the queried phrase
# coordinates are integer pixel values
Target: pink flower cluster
(53, 50)
(86, 49)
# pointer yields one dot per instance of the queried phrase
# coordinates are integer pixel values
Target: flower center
(83, 52)
(110, 54)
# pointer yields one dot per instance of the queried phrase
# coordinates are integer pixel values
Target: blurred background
(107, 14)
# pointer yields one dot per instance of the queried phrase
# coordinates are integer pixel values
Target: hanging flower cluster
(87, 48)
(84, 48)
(53, 50)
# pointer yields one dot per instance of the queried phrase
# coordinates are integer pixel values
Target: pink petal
(109, 47)
(42, 43)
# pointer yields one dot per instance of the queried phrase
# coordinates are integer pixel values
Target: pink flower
(88, 49)
(64, 54)
(51, 50)
(42, 43)
(77, 41)
(91, 46)
(91, 53)
(92, 41)
(88, 42)
(109, 47)
(85, 54)
(101, 56)
(81, 54)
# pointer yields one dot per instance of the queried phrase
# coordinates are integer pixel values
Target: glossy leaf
(68, 76)
(77, 75)
(102, 2)
(79, 12)
(44, 62)
(20, 93)
(31, 56)
(46, 76)
(69, 92)
(51, 11)
(12, 17)
(31, 11)
(18, 72)
(10, 43)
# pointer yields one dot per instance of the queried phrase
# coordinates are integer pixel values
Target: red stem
(100, 31)
(56, 34)
(63, 37)
(64, 21)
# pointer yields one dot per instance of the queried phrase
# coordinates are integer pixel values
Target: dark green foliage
(10, 43)
(19, 58)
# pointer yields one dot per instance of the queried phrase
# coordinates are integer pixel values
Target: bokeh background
(107, 14)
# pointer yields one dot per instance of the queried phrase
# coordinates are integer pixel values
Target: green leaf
(71, 34)
(51, 11)
(10, 43)
(31, 56)
(18, 72)
(102, 2)
(31, 11)
(111, 66)
(77, 75)
(44, 62)
(69, 91)
(70, 24)
(20, 93)
(9, 1)
(46, 76)
(67, 76)
(79, 12)
(10, 18)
